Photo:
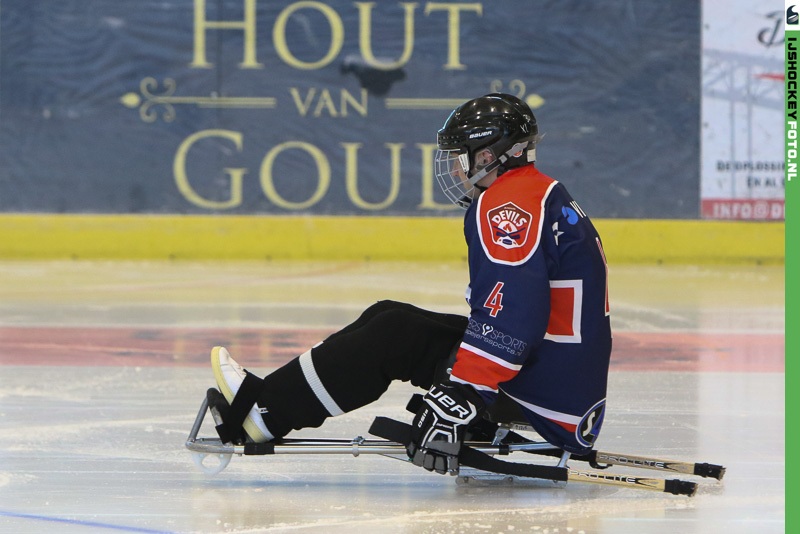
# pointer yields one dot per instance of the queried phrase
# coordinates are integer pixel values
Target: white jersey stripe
(479, 387)
(483, 354)
(550, 414)
(316, 384)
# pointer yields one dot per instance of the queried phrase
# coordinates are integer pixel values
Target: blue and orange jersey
(539, 327)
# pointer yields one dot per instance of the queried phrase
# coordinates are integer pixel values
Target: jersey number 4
(495, 300)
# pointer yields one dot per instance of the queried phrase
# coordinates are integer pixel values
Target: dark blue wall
(615, 84)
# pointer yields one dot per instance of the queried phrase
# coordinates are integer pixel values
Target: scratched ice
(104, 367)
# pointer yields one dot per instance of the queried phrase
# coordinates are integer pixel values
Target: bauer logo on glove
(440, 425)
(448, 407)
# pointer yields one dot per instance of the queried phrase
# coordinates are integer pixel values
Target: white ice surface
(101, 448)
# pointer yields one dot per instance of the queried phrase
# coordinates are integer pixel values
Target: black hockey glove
(440, 425)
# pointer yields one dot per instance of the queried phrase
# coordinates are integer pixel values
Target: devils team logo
(510, 225)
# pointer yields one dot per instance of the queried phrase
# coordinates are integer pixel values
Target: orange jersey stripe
(478, 370)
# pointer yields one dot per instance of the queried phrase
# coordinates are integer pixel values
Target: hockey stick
(599, 459)
(674, 486)
(604, 459)
(482, 458)
(595, 458)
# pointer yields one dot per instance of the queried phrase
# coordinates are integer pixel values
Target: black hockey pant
(354, 366)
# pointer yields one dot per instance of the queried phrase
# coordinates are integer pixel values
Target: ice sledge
(479, 459)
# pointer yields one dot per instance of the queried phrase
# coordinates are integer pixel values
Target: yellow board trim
(46, 236)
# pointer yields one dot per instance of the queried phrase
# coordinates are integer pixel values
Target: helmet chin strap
(478, 176)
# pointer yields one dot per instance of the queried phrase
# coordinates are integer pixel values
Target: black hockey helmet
(499, 122)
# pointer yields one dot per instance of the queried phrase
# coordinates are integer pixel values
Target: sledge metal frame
(203, 447)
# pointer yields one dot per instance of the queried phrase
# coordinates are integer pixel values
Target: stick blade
(680, 487)
(709, 471)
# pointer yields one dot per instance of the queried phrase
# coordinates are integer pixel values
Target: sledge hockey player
(537, 336)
